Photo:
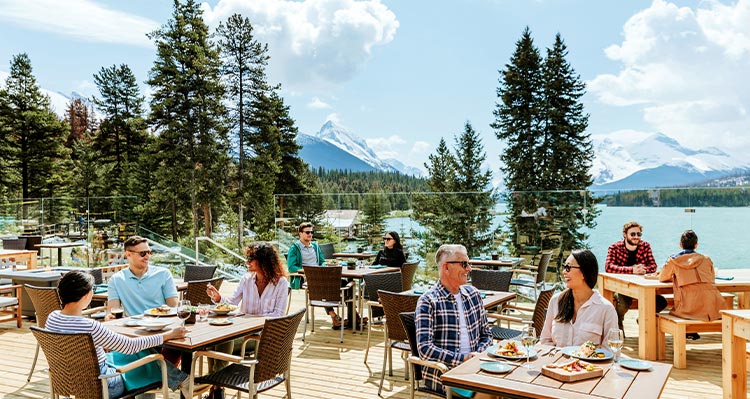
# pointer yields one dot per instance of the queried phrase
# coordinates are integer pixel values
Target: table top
(6, 252)
(60, 245)
(199, 335)
(491, 298)
(503, 262)
(741, 277)
(359, 273)
(355, 255)
(522, 382)
(737, 313)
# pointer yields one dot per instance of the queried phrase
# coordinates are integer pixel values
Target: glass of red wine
(183, 310)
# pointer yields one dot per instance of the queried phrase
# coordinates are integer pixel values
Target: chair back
(196, 290)
(409, 325)
(393, 305)
(327, 250)
(381, 281)
(110, 270)
(32, 242)
(540, 310)
(323, 283)
(73, 365)
(116, 258)
(14, 243)
(541, 271)
(407, 274)
(45, 301)
(274, 353)
(98, 275)
(494, 280)
(198, 272)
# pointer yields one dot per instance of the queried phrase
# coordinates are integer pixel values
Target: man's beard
(631, 243)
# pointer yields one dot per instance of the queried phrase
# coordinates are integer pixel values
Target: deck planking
(323, 368)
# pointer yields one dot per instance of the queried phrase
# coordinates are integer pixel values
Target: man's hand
(470, 355)
(109, 316)
(639, 269)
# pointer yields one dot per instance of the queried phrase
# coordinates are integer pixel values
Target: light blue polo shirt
(140, 294)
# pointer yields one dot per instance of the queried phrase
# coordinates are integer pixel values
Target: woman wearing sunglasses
(392, 253)
(578, 314)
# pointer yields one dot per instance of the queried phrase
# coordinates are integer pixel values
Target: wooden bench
(678, 328)
(728, 301)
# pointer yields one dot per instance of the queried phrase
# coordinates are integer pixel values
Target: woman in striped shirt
(76, 289)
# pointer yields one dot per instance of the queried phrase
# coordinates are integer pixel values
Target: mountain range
(623, 160)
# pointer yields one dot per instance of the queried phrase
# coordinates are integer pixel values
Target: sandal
(336, 323)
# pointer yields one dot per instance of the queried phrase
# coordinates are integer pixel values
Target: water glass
(615, 340)
(203, 311)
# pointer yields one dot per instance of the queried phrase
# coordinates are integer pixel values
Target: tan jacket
(695, 295)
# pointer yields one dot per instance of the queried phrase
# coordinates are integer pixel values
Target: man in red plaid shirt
(631, 255)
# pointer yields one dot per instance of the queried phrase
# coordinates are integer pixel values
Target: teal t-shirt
(140, 294)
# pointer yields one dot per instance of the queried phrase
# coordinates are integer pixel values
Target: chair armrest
(516, 307)
(505, 317)
(523, 271)
(427, 363)
(140, 362)
(532, 267)
(218, 355)
(348, 286)
(374, 304)
(9, 288)
(91, 311)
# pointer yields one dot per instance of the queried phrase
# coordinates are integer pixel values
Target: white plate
(495, 367)
(156, 312)
(154, 325)
(493, 350)
(131, 323)
(221, 322)
(635, 364)
(572, 351)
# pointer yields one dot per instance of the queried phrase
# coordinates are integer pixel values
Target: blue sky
(403, 73)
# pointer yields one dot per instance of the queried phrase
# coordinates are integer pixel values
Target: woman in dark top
(392, 253)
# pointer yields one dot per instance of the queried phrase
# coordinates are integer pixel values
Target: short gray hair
(447, 250)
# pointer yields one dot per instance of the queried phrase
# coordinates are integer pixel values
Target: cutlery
(489, 359)
(553, 351)
(545, 353)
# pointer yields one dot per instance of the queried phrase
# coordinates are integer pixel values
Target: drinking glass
(203, 311)
(183, 310)
(615, 340)
(528, 340)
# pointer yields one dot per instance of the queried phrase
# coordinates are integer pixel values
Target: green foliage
(703, 197)
(374, 211)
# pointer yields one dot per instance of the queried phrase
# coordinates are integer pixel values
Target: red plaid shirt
(617, 258)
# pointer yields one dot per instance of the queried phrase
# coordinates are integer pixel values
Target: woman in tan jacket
(692, 276)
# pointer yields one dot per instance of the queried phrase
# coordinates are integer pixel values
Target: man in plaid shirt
(633, 256)
(451, 322)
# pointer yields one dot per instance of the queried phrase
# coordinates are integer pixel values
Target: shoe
(693, 336)
(336, 323)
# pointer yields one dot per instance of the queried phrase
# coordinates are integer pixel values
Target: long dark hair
(74, 285)
(589, 266)
(396, 240)
(268, 260)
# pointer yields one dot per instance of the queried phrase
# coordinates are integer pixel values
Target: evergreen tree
(374, 210)
(81, 121)
(190, 118)
(33, 136)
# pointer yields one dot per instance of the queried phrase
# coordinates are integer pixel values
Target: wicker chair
(373, 283)
(269, 367)
(45, 300)
(324, 290)
(494, 280)
(395, 335)
(407, 274)
(196, 290)
(74, 367)
(415, 362)
(14, 243)
(198, 272)
(537, 317)
(537, 273)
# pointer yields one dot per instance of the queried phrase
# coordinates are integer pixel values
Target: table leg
(647, 326)
(733, 378)
(59, 257)
(743, 300)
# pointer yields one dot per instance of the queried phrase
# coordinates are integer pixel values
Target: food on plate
(222, 307)
(160, 311)
(573, 366)
(510, 348)
(588, 349)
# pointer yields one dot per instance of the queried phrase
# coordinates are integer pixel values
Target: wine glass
(183, 310)
(528, 340)
(615, 340)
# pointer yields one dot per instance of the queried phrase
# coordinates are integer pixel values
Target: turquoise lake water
(721, 231)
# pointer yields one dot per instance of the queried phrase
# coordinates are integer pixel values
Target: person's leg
(622, 305)
(216, 365)
(115, 385)
(661, 303)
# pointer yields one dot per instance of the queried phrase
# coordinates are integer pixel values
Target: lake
(720, 231)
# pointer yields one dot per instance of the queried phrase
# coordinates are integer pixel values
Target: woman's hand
(175, 333)
(213, 293)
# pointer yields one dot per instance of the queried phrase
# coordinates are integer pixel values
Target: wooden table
(525, 383)
(495, 264)
(355, 255)
(20, 255)
(645, 291)
(735, 332)
(59, 246)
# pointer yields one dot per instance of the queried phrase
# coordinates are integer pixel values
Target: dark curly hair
(268, 260)
(74, 285)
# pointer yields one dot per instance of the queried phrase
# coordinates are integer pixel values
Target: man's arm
(647, 259)
(172, 301)
(293, 259)
(616, 260)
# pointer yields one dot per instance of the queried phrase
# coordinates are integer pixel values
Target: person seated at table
(450, 318)
(692, 275)
(392, 254)
(76, 289)
(578, 314)
(631, 255)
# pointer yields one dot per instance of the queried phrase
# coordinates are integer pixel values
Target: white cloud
(81, 19)
(687, 70)
(313, 43)
(395, 147)
(317, 103)
(333, 117)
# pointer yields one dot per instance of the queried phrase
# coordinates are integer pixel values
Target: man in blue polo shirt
(140, 287)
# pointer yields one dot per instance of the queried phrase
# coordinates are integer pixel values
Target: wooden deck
(323, 368)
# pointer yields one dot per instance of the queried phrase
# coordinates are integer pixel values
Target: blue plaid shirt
(438, 328)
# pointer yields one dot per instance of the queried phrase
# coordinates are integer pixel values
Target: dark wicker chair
(324, 290)
(196, 290)
(45, 301)
(74, 367)
(373, 283)
(407, 274)
(493, 280)
(14, 243)
(395, 335)
(415, 362)
(537, 317)
(537, 273)
(327, 250)
(198, 272)
(268, 368)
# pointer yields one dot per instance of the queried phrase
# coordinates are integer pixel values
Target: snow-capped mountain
(626, 160)
(404, 168)
(353, 144)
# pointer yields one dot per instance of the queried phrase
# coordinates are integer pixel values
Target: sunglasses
(387, 238)
(308, 232)
(463, 263)
(567, 267)
(142, 253)
(636, 234)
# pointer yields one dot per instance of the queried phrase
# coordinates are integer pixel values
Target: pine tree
(190, 118)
